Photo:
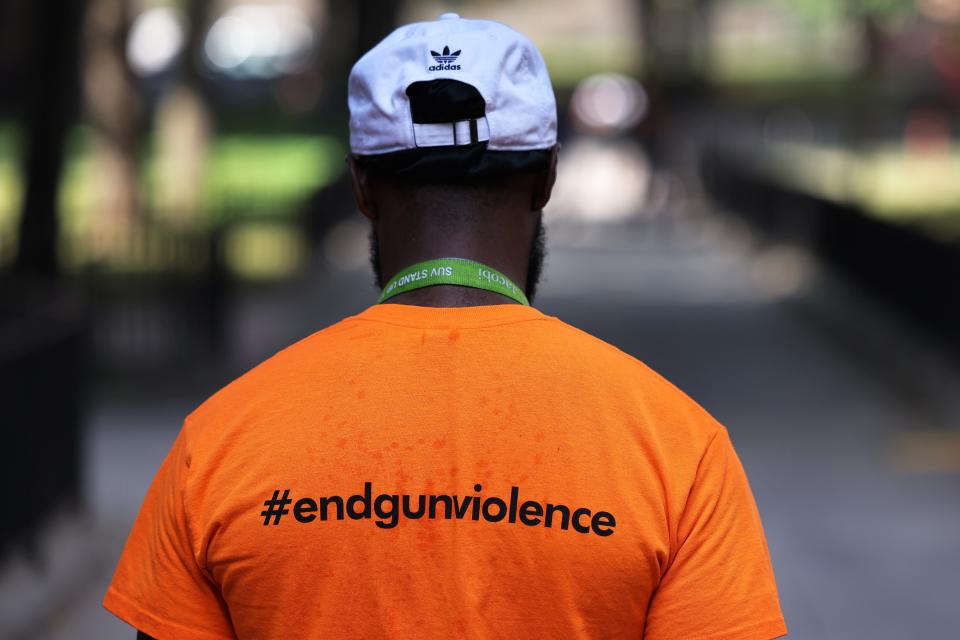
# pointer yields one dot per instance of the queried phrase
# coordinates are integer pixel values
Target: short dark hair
(451, 163)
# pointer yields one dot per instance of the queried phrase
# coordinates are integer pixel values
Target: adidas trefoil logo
(445, 60)
(446, 57)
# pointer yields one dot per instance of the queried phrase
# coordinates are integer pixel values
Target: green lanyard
(458, 271)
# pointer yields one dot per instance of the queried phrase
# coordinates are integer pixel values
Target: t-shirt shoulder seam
(184, 494)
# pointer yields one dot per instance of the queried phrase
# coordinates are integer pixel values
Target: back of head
(453, 133)
(452, 99)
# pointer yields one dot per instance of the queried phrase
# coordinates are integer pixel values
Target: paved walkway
(861, 549)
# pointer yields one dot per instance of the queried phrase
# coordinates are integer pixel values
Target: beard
(375, 256)
(538, 254)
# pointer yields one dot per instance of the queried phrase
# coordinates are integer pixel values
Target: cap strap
(451, 134)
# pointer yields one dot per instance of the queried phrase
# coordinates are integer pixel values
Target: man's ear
(360, 183)
(543, 186)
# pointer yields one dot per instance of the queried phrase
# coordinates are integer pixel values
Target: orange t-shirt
(478, 472)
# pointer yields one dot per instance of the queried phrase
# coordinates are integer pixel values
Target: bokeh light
(609, 102)
(261, 41)
(156, 38)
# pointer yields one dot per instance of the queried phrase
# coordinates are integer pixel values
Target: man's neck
(496, 237)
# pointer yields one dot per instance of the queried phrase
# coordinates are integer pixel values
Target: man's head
(453, 140)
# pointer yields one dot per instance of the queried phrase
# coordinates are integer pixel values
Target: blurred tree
(870, 16)
(674, 37)
(375, 20)
(114, 111)
(352, 28)
(674, 40)
(183, 126)
(48, 113)
(14, 17)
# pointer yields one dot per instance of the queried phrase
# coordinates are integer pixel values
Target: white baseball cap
(454, 96)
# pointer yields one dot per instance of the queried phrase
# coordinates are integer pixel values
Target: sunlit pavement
(861, 549)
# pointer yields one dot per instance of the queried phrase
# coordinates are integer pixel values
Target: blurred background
(759, 198)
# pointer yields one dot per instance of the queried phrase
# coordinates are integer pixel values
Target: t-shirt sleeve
(158, 586)
(720, 583)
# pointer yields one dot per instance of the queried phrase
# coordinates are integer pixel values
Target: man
(450, 462)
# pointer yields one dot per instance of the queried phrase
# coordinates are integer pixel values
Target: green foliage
(246, 177)
(885, 7)
(825, 10)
